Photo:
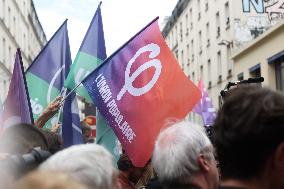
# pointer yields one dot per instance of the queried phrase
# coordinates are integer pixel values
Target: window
(240, 76)
(218, 25)
(4, 50)
(201, 71)
(190, 15)
(187, 53)
(9, 18)
(176, 53)
(209, 69)
(180, 30)
(14, 26)
(227, 15)
(186, 25)
(3, 9)
(169, 40)
(10, 59)
(172, 39)
(198, 10)
(24, 42)
(220, 101)
(200, 41)
(5, 85)
(206, 5)
(192, 51)
(1, 51)
(279, 69)
(181, 59)
(208, 34)
(255, 70)
(219, 62)
(230, 64)
(176, 32)
(24, 6)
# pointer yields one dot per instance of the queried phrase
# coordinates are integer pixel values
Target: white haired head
(89, 164)
(177, 149)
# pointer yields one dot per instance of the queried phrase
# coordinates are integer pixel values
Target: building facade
(19, 28)
(264, 57)
(204, 34)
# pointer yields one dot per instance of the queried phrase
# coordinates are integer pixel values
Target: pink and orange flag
(138, 89)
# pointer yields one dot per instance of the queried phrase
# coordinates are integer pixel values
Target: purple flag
(205, 107)
(17, 107)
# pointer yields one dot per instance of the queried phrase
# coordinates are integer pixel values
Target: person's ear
(279, 155)
(203, 162)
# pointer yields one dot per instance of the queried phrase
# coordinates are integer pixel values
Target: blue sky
(121, 18)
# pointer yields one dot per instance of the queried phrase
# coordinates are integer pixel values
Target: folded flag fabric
(205, 107)
(138, 89)
(71, 128)
(17, 107)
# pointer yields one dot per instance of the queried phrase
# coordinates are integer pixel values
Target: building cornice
(39, 24)
(258, 40)
(178, 10)
(12, 38)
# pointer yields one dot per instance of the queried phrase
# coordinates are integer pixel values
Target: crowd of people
(246, 151)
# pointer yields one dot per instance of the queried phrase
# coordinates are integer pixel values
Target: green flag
(46, 74)
(92, 53)
(106, 137)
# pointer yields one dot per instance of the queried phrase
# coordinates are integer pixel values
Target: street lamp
(229, 45)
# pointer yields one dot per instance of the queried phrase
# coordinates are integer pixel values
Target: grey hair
(89, 164)
(177, 149)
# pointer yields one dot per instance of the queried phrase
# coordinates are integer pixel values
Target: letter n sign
(257, 4)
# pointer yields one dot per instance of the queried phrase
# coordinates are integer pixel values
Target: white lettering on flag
(129, 79)
(110, 103)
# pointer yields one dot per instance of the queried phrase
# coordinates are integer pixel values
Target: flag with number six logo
(138, 89)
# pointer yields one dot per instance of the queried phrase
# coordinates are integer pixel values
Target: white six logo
(129, 79)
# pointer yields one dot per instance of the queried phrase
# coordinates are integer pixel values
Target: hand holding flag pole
(61, 105)
(48, 112)
(66, 96)
(55, 127)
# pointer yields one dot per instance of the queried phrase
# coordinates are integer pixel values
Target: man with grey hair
(183, 157)
(89, 164)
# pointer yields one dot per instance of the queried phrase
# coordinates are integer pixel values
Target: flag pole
(64, 98)
(81, 44)
(61, 106)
